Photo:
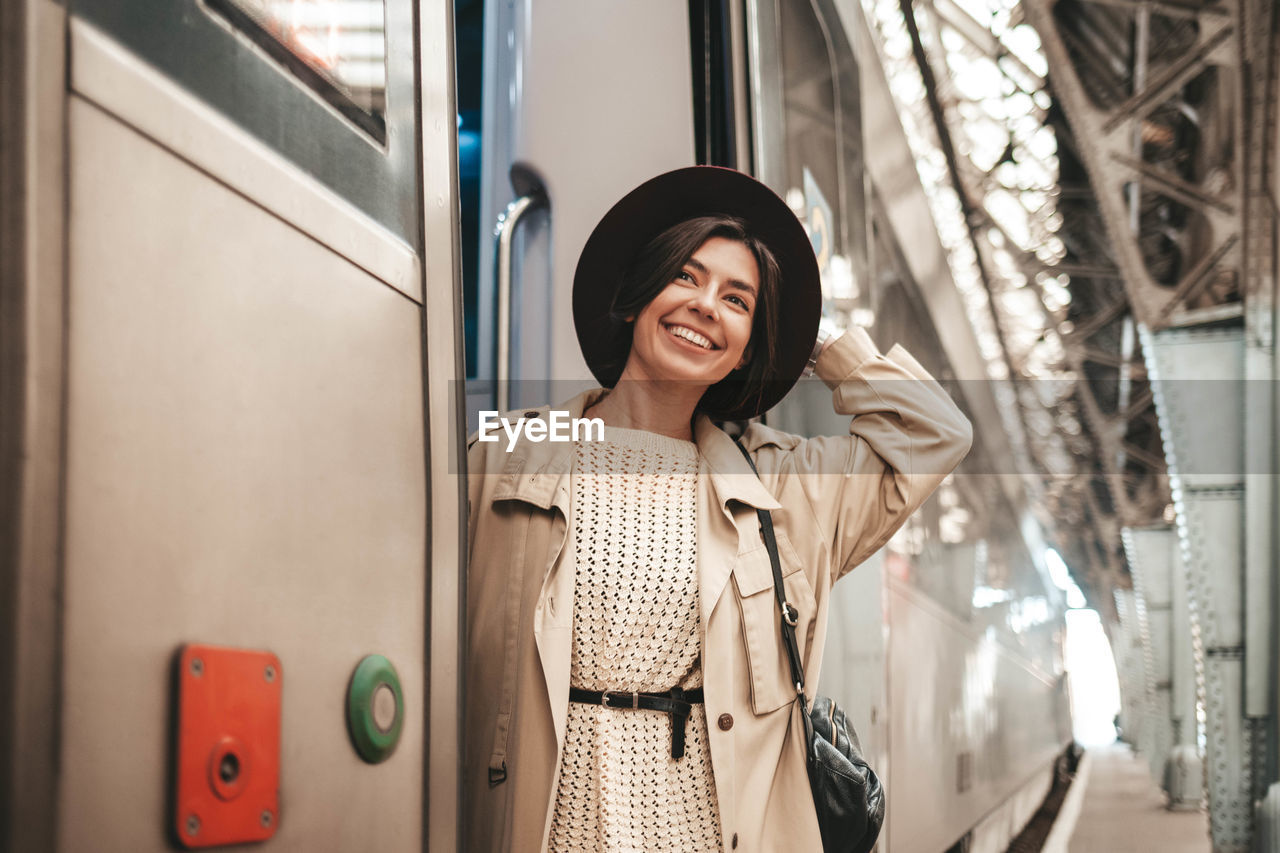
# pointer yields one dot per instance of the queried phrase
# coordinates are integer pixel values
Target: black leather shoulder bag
(847, 795)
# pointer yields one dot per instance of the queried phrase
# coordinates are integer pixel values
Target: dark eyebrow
(733, 282)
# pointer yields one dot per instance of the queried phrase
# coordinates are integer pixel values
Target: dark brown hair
(658, 264)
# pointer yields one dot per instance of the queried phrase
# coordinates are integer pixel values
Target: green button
(375, 709)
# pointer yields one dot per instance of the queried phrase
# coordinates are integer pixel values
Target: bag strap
(790, 614)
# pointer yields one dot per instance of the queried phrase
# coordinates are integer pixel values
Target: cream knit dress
(635, 627)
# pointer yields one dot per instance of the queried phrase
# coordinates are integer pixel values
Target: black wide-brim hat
(670, 199)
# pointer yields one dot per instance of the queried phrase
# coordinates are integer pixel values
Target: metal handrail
(505, 231)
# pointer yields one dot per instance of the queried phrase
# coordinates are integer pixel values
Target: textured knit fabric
(635, 627)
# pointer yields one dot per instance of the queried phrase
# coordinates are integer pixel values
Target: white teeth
(691, 336)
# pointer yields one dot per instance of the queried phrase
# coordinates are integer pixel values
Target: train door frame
(32, 225)
(445, 393)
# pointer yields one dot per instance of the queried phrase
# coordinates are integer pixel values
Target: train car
(260, 268)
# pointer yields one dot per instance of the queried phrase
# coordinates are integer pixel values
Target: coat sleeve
(905, 436)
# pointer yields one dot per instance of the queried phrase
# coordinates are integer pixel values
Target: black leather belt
(676, 703)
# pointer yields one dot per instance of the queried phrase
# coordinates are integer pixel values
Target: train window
(338, 47)
(807, 134)
(327, 84)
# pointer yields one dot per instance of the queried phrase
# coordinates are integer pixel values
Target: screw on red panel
(193, 825)
(266, 817)
(270, 673)
(197, 667)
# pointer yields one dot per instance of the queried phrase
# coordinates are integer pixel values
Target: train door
(228, 411)
(566, 106)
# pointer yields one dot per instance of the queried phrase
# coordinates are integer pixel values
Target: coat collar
(731, 477)
(537, 473)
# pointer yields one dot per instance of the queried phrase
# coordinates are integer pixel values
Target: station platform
(1118, 808)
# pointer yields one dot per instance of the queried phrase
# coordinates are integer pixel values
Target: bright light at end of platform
(1061, 578)
(1095, 689)
(1058, 569)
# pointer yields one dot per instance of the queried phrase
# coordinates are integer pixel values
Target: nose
(704, 301)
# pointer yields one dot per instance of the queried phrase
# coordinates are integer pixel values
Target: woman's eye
(684, 276)
(741, 303)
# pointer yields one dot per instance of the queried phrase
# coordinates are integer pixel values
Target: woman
(626, 682)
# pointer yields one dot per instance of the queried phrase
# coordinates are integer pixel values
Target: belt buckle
(635, 699)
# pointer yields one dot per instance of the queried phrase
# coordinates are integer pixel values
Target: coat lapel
(731, 477)
(726, 477)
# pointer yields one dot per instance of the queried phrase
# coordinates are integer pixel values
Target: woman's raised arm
(906, 435)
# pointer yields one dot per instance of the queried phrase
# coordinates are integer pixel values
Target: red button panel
(228, 746)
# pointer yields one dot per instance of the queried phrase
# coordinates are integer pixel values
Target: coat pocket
(771, 685)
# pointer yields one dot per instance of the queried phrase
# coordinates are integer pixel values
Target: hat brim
(674, 197)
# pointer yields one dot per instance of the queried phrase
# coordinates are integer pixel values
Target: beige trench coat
(835, 500)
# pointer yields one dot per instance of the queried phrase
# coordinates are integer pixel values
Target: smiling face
(697, 329)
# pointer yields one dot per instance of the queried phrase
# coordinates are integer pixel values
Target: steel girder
(1127, 646)
(1184, 774)
(1232, 40)
(1150, 552)
(1136, 498)
(1109, 141)
(1200, 398)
